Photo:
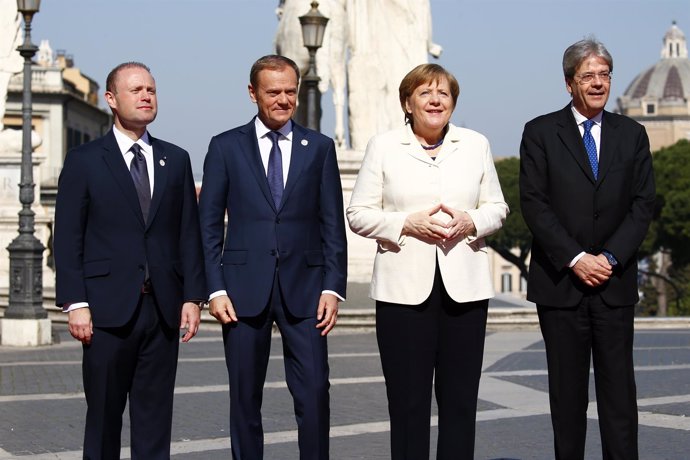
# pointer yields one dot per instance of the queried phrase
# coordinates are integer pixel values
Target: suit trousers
(138, 360)
(305, 352)
(439, 336)
(572, 336)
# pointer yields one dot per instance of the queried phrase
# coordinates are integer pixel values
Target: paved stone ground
(42, 407)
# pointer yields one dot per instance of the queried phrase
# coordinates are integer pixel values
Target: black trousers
(572, 336)
(139, 361)
(247, 349)
(441, 337)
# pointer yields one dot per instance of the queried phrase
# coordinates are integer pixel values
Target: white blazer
(398, 178)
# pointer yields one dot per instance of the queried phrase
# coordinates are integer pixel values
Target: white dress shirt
(596, 134)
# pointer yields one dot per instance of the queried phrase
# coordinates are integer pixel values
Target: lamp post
(25, 319)
(313, 27)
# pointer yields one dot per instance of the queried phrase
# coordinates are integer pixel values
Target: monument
(368, 47)
(16, 331)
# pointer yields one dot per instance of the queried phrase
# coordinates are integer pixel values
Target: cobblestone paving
(42, 407)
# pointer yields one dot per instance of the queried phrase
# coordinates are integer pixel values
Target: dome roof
(669, 79)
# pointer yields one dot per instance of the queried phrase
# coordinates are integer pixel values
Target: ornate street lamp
(313, 28)
(27, 318)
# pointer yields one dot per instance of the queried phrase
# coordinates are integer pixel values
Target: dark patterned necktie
(275, 169)
(140, 176)
(591, 147)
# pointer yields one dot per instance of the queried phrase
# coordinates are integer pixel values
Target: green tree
(514, 235)
(670, 229)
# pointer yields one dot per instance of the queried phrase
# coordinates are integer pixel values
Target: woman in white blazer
(428, 193)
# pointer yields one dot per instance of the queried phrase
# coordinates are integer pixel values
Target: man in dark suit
(283, 258)
(129, 268)
(587, 195)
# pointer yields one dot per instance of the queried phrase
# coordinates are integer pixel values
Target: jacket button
(277, 220)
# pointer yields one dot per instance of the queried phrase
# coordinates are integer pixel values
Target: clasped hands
(423, 224)
(593, 270)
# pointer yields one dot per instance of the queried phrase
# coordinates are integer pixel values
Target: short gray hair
(579, 51)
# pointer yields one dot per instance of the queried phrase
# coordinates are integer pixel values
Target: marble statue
(331, 57)
(10, 60)
(369, 45)
(386, 40)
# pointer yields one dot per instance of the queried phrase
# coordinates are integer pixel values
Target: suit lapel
(118, 168)
(160, 177)
(302, 149)
(609, 137)
(451, 144)
(411, 146)
(249, 148)
(570, 135)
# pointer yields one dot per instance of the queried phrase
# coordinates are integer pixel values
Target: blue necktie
(140, 176)
(591, 147)
(275, 169)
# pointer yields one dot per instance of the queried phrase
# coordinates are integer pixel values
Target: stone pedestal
(360, 251)
(21, 332)
(10, 176)
(26, 332)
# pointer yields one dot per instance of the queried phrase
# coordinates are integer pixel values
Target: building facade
(659, 97)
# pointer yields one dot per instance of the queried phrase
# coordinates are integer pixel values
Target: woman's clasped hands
(430, 225)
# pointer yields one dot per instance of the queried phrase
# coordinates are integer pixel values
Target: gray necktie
(140, 176)
(275, 169)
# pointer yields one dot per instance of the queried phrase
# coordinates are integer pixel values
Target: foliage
(514, 234)
(670, 228)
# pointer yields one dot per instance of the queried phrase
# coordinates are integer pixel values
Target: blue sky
(506, 54)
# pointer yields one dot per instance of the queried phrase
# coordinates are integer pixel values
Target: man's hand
(460, 225)
(190, 320)
(422, 224)
(80, 325)
(327, 313)
(221, 308)
(593, 270)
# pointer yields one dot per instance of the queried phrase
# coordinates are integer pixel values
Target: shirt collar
(125, 143)
(262, 130)
(579, 118)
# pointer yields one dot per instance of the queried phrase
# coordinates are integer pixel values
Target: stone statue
(386, 40)
(10, 60)
(383, 41)
(45, 54)
(330, 59)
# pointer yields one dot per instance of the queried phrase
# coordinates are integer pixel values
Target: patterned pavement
(42, 407)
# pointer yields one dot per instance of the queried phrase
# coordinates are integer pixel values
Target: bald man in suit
(129, 268)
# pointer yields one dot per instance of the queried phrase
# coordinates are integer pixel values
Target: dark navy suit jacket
(102, 243)
(569, 211)
(305, 236)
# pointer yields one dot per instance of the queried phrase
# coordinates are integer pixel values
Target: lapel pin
(162, 161)
(304, 142)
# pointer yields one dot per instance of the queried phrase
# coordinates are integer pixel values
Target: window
(506, 282)
(650, 109)
(523, 284)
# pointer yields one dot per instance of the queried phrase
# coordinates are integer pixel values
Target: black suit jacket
(305, 235)
(102, 243)
(568, 211)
